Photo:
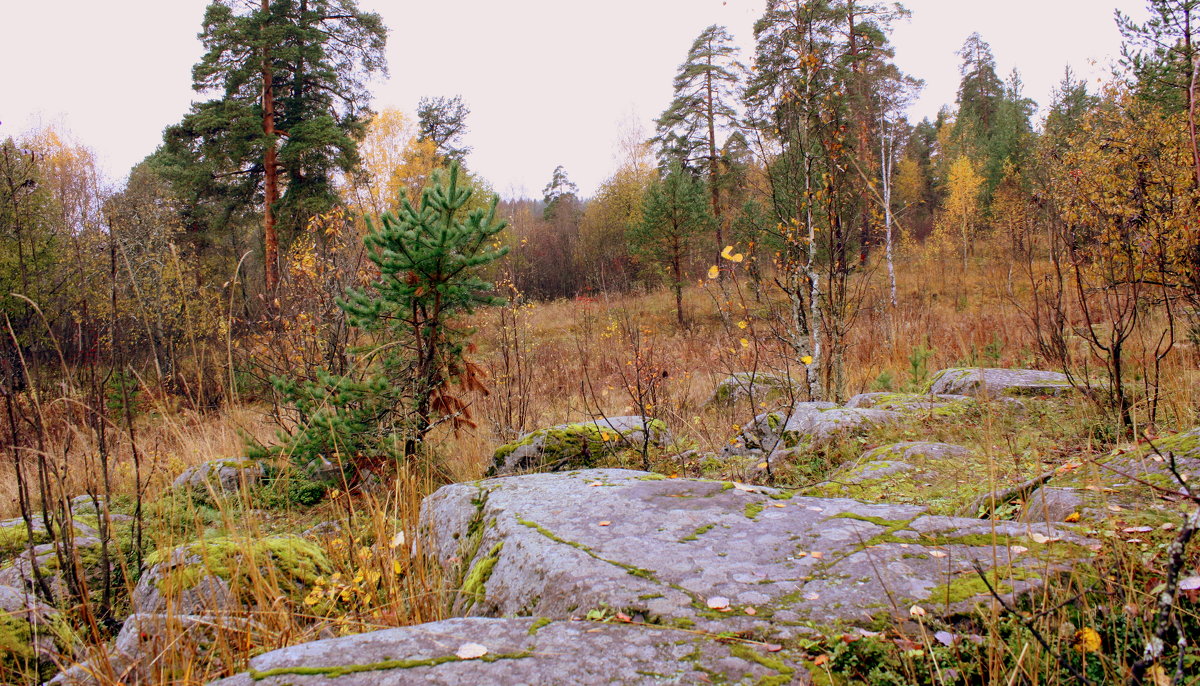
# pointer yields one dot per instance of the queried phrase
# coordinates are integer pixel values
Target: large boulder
(215, 576)
(577, 445)
(996, 383)
(806, 426)
(717, 556)
(520, 651)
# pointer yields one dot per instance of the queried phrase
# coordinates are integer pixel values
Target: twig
(1004, 495)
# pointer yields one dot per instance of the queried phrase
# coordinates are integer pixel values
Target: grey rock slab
(559, 545)
(807, 425)
(579, 444)
(756, 387)
(993, 382)
(519, 651)
(1141, 480)
(223, 476)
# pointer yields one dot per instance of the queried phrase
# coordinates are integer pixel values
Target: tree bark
(712, 152)
(270, 173)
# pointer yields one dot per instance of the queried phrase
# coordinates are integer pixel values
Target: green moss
(683, 623)
(651, 477)
(474, 586)
(753, 509)
(537, 625)
(15, 538)
(700, 531)
(783, 671)
(344, 670)
(574, 446)
(16, 640)
(893, 524)
(969, 586)
(294, 560)
(635, 571)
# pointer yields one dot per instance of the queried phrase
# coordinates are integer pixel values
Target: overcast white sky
(548, 81)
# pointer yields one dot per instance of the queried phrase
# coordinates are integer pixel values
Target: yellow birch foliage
(1126, 191)
(959, 219)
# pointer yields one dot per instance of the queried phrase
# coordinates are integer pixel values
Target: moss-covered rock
(33, 638)
(226, 573)
(217, 478)
(758, 388)
(915, 403)
(944, 477)
(578, 445)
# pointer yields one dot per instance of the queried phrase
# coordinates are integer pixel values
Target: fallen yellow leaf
(807, 359)
(713, 272)
(1087, 640)
(1073, 517)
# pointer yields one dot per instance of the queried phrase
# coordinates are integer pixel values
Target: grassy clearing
(564, 361)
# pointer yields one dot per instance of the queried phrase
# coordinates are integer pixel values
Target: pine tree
(443, 121)
(1164, 55)
(291, 104)
(430, 259)
(674, 214)
(705, 88)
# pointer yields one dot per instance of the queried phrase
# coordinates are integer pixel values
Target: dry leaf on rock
(471, 651)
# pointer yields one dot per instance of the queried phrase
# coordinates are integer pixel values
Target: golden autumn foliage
(1126, 193)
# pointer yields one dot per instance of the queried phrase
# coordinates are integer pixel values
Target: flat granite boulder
(992, 382)
(717, 556)
(577, 445)
(519, 651)
(805, 426)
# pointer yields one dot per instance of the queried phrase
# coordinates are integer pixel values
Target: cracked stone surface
(519, 651)
(992, 382)
(559, 545)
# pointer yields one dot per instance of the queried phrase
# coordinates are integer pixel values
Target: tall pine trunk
(270, 172)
